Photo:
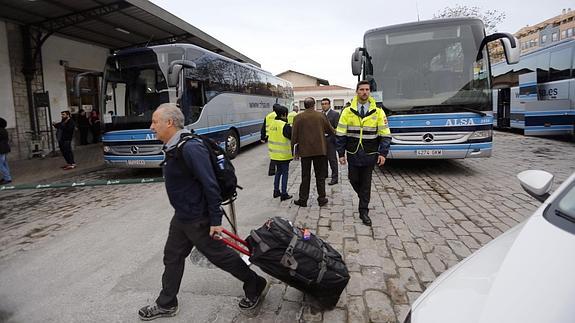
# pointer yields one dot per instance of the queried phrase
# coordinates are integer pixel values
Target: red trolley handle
(235, 242)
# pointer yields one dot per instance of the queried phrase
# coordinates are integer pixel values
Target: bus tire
(232, 144)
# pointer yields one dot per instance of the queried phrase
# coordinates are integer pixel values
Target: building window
(543, 39)
(564, 34)
(570, 32)
(555, 36)
(338, 104)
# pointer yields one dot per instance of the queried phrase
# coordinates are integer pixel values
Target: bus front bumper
(454, 151)
(133, 161)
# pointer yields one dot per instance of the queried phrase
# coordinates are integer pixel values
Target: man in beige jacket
(308, 140)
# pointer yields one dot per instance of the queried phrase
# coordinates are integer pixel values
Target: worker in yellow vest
(292, 114)
(279, 149)
(363, 139)
(264, 134)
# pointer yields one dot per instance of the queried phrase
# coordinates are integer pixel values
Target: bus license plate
(429, 152)
(136, 162)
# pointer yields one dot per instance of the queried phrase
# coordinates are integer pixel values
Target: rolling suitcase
(297, 257)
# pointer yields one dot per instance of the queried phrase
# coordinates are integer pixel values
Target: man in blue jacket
(195, 197)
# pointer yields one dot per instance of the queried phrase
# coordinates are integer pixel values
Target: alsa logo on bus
(460, 122)
(151, 136)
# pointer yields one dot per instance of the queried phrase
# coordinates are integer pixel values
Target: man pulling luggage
(195, 197)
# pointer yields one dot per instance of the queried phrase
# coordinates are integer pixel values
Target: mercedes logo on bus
(134, 150)
(428, 137)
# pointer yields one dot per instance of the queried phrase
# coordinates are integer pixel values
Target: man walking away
(4, 150)
(194, 194)
(264, 135)
(363, 135)
(333, 117)
(279, 149)
(308, 133)
(65, 135)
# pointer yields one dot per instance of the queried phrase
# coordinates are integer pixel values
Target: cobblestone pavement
(427, 216)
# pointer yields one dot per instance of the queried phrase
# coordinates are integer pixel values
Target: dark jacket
(195, 195)
(4, 139)
(65, 130)
(333, 118)
(308, 132)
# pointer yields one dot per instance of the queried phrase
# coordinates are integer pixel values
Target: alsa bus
(222, 98)
(538, 94)
(432, 79)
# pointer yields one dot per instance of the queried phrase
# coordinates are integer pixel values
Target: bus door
(193, 100)
(504, 108)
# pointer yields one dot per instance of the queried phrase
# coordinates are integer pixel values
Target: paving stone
(423, 270)
(335, 316)
(412, 250)
(408, 280)
(435, 262)
(400, 258)
(356, 310)
(401, 312)
(293, 295)
(379, 307)
(459, 248)
(396, 291)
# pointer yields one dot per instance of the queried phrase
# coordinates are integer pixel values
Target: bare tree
(491, 18)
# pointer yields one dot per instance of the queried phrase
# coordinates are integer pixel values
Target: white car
(525, 275)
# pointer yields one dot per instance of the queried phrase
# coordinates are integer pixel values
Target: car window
(567, 204)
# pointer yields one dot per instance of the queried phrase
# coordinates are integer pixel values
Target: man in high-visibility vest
(279, 149)
(292, 114)
(363, 139)
(264, 135)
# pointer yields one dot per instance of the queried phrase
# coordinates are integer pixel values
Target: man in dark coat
(309, 143)
(333, 118)
(4, 150)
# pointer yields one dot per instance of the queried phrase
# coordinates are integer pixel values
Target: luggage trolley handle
(233, 241)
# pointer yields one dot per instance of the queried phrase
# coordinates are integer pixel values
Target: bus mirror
(176, 68)
(510, 46)
(356, 62)
(511, 52)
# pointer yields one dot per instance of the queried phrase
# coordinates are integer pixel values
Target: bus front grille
(135, 150)
(430, 138)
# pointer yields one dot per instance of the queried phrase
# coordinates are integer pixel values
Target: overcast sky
(318, 37)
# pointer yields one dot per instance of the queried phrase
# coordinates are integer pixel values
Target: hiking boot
(249, 303)
(151, 312)
(322, 202)
(300, 203)
(277, 194)
(285, 197)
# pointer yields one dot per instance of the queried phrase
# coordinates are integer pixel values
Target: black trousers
(332, 158)
(320, 170)
(182, 237)
(66, 149)
(360, 179)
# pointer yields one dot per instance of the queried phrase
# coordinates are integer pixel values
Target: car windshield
(566, 206)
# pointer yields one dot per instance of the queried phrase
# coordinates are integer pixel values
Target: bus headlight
(481, 134)
(106, 149)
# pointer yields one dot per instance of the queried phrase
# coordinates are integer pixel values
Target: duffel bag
(302, 261)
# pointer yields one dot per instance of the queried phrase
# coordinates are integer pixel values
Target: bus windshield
(429, 69)
(136, 84)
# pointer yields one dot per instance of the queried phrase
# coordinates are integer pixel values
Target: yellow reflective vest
(291, 115)
(365, 132)
(269, 118)
(279, 147)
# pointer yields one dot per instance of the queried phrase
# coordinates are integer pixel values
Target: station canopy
(112, 24)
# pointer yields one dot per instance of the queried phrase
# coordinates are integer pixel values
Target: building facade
(547, 32)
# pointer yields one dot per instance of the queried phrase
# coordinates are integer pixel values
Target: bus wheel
(232, 144)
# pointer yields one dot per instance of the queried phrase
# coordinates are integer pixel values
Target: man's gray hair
(170, 111)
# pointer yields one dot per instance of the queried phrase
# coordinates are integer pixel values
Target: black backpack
(221, 164)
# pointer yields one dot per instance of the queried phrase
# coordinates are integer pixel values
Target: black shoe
(322, 202)
(300, 203)
(333, 182)
(365, 218)
(277, 194)
(271, 173)
(249, 303)
(151, 312)
(285, 197)
(5, 182)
